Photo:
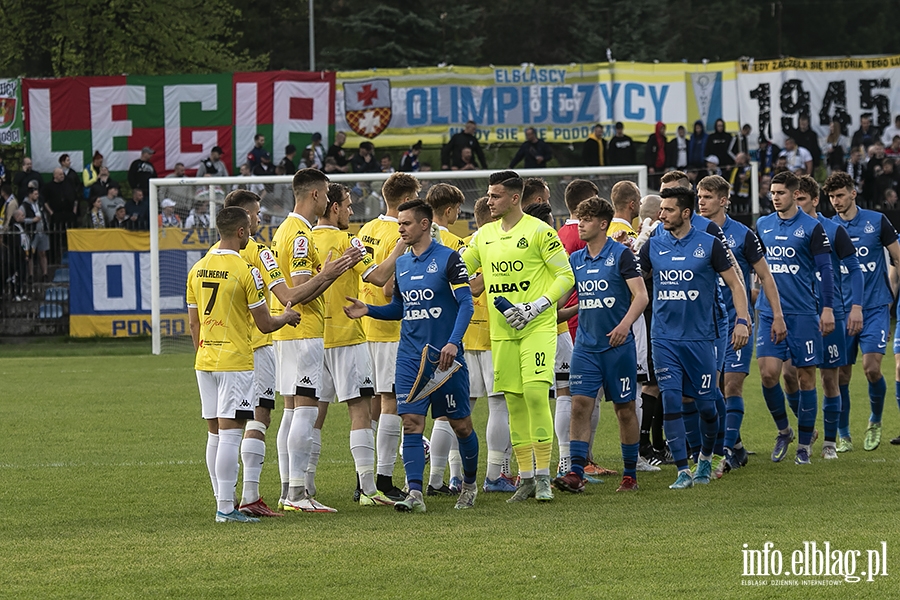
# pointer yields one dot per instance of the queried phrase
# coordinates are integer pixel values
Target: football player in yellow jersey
(526, 266)
(229, 292)
(626, 200)
(253, 448)
(380, 237)
(347, 374)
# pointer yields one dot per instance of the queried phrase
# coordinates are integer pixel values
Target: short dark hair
(540, 210)
(443, 195)
(257, 136)
(595, 208)
(216, 149)
(684, 197)
(398, 186)
(290, 149)
(230, 219)
(809, 186)
(533, 186)
(788, 180)
(367, 146)
(578, 190)
(305, 179)
(420, 207)
(241, 198)
(62, 158)
(838, 180)
(6, 188)
(508, 179)
(336, 193)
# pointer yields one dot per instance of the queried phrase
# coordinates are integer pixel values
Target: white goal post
(216, 186)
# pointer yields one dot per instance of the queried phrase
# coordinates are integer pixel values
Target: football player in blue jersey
(433, 299)
(685, 264)
(611, 297)
(871, 234)
(796, 247)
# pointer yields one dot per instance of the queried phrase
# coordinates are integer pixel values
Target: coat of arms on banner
(367, 106)
(7, 112)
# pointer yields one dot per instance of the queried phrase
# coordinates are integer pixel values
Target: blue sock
(691, 426)
(719, 448)
(413, 460)
(897, 392)
(793, 399)
(733, 419)
(831, 412)
(844, 419)
(774, 397)
(629, 457)
(806, 420)
(877, 391)
(709, 425)
(673, 425)
(578, 450)
(468, 450)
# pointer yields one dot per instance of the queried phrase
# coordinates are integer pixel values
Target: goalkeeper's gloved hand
(436, 232)
(522, 314)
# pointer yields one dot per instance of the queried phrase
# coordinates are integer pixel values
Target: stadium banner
(774, 93)
(397, 107)
(11, 112)
(109, 280)
(181, 117)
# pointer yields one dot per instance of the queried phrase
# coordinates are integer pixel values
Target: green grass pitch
(104, 494)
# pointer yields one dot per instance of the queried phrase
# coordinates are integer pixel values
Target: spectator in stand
(287, 163)
(655, 154)
(799, 160)
(836, 145)
(254, 157)
(719, 145)
(386, 165)
(307, 159)
(264, 168)
(741, 142)
(890, 199)
(739, 179)
(103, 183)
(866, 135)
(535, 151)
(65, 163)
(886, 179)
(318, 151)
(91, 174)
(331, 166)
(10, 205)
(138, 211)
(35, 224)
(26, 176)
(120, 218)
(467, 162)
(620, 150)
(780, 164)
(110, 201)
(712, 167)
(94, 218)
(142, 171)
(212, 166)
(767, 155)
(364, 160)
(874, 161)
(60, 201)
(336, 151)
(451, 153)
(409, 162)
(765, 195)
(856, 168)
(894, 149)
(168, 218)
(806, 138)
(677, 150)
(198, 217)
(182, 194)
(890, 132)
(697, 147)
(593, 152)
(19, 250)
(4, 174)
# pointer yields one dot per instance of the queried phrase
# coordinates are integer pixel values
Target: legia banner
(10, 112)
(181, 117)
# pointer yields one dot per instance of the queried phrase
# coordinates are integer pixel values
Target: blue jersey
(603, 295)
(871, 233)
(432, 297)
(685, 273)
(791, 247)
(747, 252)
(841, 249)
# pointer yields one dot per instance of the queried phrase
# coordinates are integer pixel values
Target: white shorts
(226, 394)
(642, 348)
(299, 366)
(481, 373)
(384, 363)
(264, 376)
(564, 347)
(347, 374)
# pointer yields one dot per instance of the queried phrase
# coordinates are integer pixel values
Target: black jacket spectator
(141, 211)
(809, 140)
(621, 150)
(864, 136)
(22, 179)
(359, 164)
(60, 197)
(593, 152)
(139, 175)
(536, 153)
(288, 165)
(337, 153)
(451, 153)
(718, 144)
(100, 187)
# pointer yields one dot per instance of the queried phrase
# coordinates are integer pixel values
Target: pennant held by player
(430, 377)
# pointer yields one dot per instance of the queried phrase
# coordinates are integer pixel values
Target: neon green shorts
(524, 360)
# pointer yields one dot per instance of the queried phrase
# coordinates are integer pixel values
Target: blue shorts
(834, 353)
(614, 371)
(451, 400)
(688, 367)
(873, 337)
(737, 361)
(803, 345)
(722, 344)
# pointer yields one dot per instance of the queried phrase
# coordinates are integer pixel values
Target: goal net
(183, 217)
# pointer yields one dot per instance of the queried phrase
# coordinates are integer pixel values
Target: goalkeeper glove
(522, 314)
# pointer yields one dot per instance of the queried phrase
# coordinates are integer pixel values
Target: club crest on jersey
(432, 268)
(869, 228)
(699, 252)
(799, 232)
(523, 243)
(610, 261)
(731, 242)
(693, 294)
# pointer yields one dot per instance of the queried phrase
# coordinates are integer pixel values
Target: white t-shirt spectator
(797, 158)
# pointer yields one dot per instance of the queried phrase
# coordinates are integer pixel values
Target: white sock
(374, 424)
(227, 467)
(595, 420)
(505, 468)
(388, 441)
(442, 437)
(497, 435)
(455, 458)
(253, 454)
(362, 447)
(281, 443)
(315, 451)
(300, 443)
(561, 422)
(212, 445)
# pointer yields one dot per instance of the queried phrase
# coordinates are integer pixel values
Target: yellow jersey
(380, 237)
(341, 330)
(618, 225)
(478, 334)
(224, 288)
(451, 240)
(258, 255)
(296, 254)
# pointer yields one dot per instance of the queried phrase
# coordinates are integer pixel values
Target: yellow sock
(542, 457)
(524, 457)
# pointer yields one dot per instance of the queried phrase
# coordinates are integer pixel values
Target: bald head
(58, 175)
(650, 207)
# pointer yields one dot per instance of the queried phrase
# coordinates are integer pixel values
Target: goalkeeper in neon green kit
(524, 262)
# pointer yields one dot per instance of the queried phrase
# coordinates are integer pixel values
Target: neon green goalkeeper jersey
(521, 264)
